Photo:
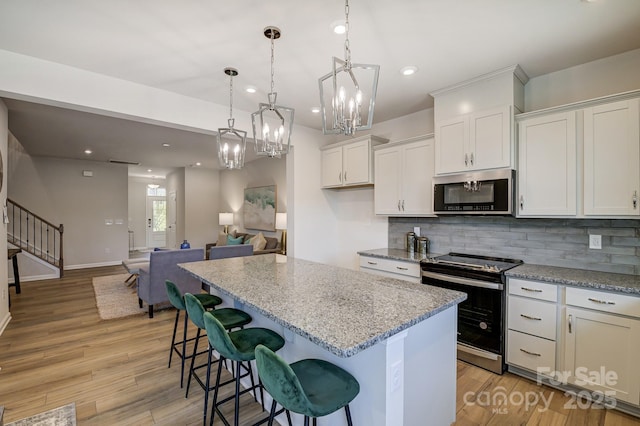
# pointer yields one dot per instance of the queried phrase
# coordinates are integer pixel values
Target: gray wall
(4, 136)
(554, 242)
(202, 193)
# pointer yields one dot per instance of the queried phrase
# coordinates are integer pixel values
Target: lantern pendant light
(231, 141)
(272, 124)
(348, 92)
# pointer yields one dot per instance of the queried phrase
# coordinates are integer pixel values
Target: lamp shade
(281, 221)
(225, 219)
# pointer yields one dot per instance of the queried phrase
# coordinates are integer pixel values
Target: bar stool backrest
(195, 310)
(219, 338)
(175, 295)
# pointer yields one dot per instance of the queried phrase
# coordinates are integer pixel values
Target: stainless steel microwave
(489, 192)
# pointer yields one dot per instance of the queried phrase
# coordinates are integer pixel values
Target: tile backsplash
(553, 242)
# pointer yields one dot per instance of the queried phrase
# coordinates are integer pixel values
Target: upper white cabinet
(580, 160)
(474, 122)
(547, 165)
(477, 141)
(612, 159)
(349, 163)
(403, 174)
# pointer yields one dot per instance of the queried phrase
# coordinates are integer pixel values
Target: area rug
(114, 298)
(61, 416)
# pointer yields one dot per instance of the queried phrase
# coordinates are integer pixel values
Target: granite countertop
(396, 254)
(620, 283)
(341, 310)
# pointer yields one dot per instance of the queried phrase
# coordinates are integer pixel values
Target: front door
(156, 221)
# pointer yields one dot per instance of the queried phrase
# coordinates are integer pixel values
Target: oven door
(480, 317)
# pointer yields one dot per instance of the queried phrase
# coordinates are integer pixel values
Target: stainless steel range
(481, 319)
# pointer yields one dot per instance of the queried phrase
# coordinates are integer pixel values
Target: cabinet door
(387, 171)
(547, 166)
(490, 139)
(332, 167)
(452, 140)
(612, 159)
(601, 353)
(356, 164)
(418, 171)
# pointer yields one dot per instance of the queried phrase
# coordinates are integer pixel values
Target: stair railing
(35, 235)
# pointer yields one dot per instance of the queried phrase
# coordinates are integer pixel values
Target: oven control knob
(483, 325)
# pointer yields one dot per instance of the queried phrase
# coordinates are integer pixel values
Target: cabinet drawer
(532, 317)
(604, 301)
(535, 289)
(531, 352)
(411, 269)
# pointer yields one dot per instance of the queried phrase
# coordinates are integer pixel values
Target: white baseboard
(92, 265)
(36, 277)
(5, 322)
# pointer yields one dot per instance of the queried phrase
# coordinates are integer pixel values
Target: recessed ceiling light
(409, 70)
(338, 27)
(149, 170)
(251, 89)
(88, 151)
(198, 164)
(315, 110)
(166, 145)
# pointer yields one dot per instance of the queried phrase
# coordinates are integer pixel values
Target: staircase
(35, 235)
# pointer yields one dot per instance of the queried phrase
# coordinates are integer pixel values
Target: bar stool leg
(348, 413)
(173, 338)
(215, 392)
(193, 360)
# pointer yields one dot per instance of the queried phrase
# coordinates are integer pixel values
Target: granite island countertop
(341, 310)
(620, 283)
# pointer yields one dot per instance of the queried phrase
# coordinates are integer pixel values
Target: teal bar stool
(208, 301)
(229, 318)
(311, 387)
(238, 346)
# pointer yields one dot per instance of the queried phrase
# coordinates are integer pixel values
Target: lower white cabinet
(602, 347)
(408, 271)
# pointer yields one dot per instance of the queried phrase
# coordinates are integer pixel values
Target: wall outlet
(396, 376)
(595, 242)
(107, 250)
(4, 294)
(416, 230)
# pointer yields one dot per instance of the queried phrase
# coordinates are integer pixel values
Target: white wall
(261, 172)
(137, 209)
(202, 195)
(615, 74)
(56, 190)
(5, 316)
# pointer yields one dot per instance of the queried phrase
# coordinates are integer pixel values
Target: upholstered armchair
(163, 265)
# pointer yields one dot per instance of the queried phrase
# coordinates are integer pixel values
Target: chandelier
(348, 92)
(231, 141)
(272, 124)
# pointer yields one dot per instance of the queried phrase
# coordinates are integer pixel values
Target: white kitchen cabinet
(407, 271)
(612, 159)
(532, 325)
(602, 346)
(349, 163)
(547, 165)
(477, 141)
(403, 177)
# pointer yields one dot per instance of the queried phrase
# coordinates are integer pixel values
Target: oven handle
(477, 352)
(463, 281)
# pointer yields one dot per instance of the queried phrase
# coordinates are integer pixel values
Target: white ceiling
(183, 47)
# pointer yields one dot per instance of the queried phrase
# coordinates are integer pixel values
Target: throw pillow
(259, 242)
(248, 238)
(231, 241)
(222, 239)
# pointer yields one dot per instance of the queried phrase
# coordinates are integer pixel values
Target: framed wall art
(259, 208)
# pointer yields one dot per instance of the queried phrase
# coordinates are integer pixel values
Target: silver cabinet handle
(466, 159)
(372, 263)
(635, 199)
(402, 205)
(570, 319)
(535, 290)
(530, 353)
(471, 158)
(521, 202)
(531, 318)
(345, 176)
(602, 302)
(401, 268)
(398, 205)
(340, 176)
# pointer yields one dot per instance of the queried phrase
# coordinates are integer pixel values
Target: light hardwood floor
(56, 350)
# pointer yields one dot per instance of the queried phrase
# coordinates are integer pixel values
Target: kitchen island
(397, 338)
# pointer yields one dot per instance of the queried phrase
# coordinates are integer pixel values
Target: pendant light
(348, 92)
(231, 141)
(272, 124)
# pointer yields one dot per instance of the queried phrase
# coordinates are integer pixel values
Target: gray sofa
(163, 265)
(273, 244)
